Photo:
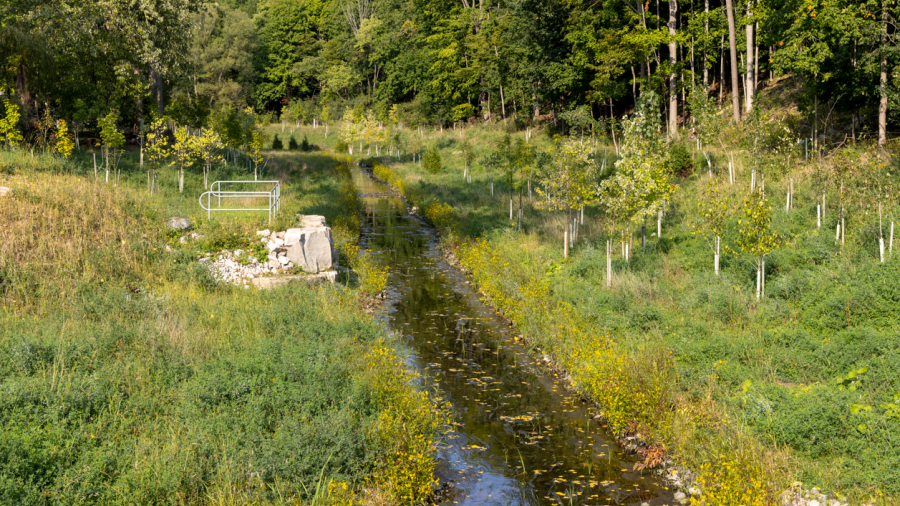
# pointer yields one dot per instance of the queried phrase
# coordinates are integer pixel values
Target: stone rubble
(309, 247)
(794, 496)
(5, 191)
(176, 223)
(226, 266)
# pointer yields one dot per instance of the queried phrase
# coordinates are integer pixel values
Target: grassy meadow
(128, 375)
(752, 396)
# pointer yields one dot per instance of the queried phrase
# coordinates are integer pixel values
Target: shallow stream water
(522, 437)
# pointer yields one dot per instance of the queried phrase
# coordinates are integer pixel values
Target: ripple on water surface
(522, 438)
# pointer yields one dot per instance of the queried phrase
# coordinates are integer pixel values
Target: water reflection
(522, 439)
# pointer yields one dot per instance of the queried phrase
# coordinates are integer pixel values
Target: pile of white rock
(236, 267)
(794, 496)
(309, 247)
(797, 496)
(278, 258)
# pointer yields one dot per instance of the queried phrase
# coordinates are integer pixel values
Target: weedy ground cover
(129, 376)
(799, 386)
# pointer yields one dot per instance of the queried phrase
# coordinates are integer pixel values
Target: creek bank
(522, 432)
(678, 477)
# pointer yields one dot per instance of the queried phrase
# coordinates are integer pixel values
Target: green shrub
(431, 162)
(304, 146)
(680, 159)
(276, 143)
(341, 147)
(292, 143)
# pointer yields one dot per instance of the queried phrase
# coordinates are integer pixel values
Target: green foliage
(255, 146)
(755, 226)
(292, 143)
(64, 144)
(184, 152)
(304, 145)
(289, 36)
(229, 122)
(173, 388)
(207, 145)
(110, 135)
(713, 213)
(680, 159)
(643, 178)
(570, 179)
(276, 142)
(112, 139)
(157, 147)
(431, 160)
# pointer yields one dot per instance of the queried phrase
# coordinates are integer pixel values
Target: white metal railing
(273, 196)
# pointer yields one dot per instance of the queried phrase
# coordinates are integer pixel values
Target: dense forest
(442, 62)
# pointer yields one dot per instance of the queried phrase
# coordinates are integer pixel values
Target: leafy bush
(304, 146)
(431, 161)
(276, 143)
(292, 143)
(341, 147)
(680, 159)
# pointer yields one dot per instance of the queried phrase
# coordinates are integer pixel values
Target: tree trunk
(157, 82)
(748, 98)
(732, 43)
(705, 42)
(644, 236)
(721, 70)
(882, 87)
(755, 58)
(673, 75)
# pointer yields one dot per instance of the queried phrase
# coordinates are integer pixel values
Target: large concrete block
(311, 248)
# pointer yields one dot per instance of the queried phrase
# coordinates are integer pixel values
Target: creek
(522, 437)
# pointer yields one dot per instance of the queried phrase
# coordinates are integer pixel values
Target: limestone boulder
(312, 220)
(176, 223)
(273, 281)
(311, 246)
(4, 191)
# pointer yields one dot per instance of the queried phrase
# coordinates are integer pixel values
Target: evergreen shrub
(431, 162)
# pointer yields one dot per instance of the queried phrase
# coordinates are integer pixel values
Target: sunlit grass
(130, 375)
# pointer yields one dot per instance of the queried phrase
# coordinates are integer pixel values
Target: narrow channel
(522, 438)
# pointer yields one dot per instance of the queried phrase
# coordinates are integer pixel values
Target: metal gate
(272, 196)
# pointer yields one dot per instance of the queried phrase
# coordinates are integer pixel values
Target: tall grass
(128, 375)
(752, 395)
